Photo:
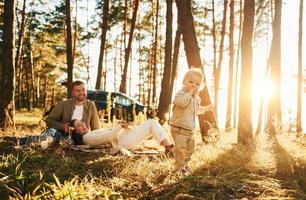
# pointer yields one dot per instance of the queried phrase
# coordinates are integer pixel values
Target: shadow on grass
(291, 172)
(223, 178)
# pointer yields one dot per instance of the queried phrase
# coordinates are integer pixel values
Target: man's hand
(126, 125)
(68, 129)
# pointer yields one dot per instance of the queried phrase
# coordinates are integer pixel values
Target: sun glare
(264, 89)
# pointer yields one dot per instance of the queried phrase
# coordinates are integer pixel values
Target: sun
(263, 89)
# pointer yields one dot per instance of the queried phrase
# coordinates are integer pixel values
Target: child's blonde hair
(194, 71)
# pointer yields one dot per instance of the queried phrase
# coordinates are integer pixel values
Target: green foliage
(14, 180)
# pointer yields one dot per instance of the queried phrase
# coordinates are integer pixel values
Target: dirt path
(279, 168)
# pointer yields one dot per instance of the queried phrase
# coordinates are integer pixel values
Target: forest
(250, 145)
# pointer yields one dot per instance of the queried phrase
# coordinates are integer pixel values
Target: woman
(121, 136)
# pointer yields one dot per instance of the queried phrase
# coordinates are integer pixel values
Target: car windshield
(123, 100)
(98, 96)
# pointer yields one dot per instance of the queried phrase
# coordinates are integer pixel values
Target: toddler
(186, 108)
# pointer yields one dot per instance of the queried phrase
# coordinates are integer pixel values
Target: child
(186, 108)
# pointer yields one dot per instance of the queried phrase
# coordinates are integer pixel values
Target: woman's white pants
(128, 139)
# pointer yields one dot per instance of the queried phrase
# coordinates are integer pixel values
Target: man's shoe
(10, 139)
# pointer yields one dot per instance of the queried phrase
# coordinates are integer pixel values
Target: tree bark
(245, 98)
(102, 46)
(192, 51)
(231, 67)
(300, 71)
(21, 35)
(217, 70)
(154, 64)
(128, 49)
(274, 105)
(176, 50)
(165, 93)
(7, 107)
(69, 55)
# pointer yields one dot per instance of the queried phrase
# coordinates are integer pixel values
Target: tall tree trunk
(192, 51)
(115, 63)
(155, 53)
(217, 71)
(176, 50)
(75, 37)
(245, 135)
(27, 83)
(32, 73)
(128, 49)
(18, 67)
(69, 49)
(300, 71)
(274, 105)
(231, 67)
(262, 103)
(7, 107)
(165, 93)
(105, 70)
(213, 32)
(21, 35)
(102, 46)
(237, 65)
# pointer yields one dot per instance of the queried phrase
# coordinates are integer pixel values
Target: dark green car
(110, 104)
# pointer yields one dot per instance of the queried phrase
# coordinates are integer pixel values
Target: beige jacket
(185, 110)
(62, 113)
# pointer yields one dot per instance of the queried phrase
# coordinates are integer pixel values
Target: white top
(78, 112)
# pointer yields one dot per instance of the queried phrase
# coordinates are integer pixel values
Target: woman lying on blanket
(121, 136)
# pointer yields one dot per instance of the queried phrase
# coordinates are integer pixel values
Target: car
(120, 105)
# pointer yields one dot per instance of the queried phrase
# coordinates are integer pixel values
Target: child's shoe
(169, 150)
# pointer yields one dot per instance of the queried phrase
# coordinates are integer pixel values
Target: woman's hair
(194, 71)
(72, 122)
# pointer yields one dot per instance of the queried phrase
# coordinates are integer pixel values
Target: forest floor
(272, 168)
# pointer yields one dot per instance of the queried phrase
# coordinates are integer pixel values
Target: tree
(102, 46)
(237, 65)
(300, 72)
(69, 48)
(274, 104)
(217, 70)
(7, 106)
(154, 51)
(245, 98)
(20, 71)
(231, 67)
(176, 49)
(165, 93)
(128, 49)
(192, 51)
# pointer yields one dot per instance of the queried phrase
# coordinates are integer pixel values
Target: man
(78, 107)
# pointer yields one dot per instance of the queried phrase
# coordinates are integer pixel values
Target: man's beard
(81, 98)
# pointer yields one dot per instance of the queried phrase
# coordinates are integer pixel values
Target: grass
(272, 168)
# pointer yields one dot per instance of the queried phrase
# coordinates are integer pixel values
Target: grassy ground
(273, 168)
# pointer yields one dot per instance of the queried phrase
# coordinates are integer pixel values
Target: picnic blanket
(148, 147)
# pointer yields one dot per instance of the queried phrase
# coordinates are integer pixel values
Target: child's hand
(193, 91)
(204, 109)
(209, 107)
